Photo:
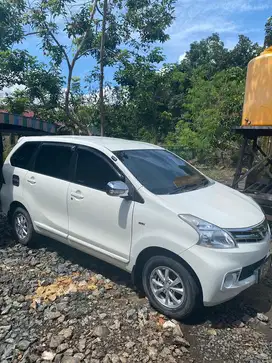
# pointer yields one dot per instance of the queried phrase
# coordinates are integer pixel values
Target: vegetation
(190, 106)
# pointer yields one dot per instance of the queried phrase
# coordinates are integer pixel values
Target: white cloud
(181, 57)
(9, 90)
(197, 19)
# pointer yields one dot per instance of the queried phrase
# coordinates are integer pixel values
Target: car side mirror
(117, 189)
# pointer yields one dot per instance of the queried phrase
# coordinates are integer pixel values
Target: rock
(33, 358)
(178, 340)
(115, 358)
(23, 345)
(168, 325)
(131, 313)
(4, 329)
(177, 330)
(51, 315)
(67, 333)
(102, 316)
(262, 357)
(69, 352)
(58, 358)
(212, 332)
(6, 309)
(152, 352)
(69, 359)
(56, 340)
(263, 318)
(247, 319)
(79, 356)
(129, 345)
(165, 353)
(82, 345)
(48, 356)
(62, 347)
(238, 324)
(101, 331)
(116, 325)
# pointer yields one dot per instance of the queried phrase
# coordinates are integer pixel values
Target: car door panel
(97, 220)
(46, 187)
(47, 198)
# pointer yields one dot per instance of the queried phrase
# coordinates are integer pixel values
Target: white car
(186, 239)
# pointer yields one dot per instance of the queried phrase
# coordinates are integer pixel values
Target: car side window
(94, 171)
(54, 160)
(22, 156)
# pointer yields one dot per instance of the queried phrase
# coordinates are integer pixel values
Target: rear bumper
(212, 267)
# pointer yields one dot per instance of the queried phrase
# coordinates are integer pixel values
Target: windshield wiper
(203, 182)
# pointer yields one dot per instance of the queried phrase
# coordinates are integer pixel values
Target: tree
(210, 54)
(85, 27)
(243, 52)
(11, 29)
(268, 33)
(213, 107)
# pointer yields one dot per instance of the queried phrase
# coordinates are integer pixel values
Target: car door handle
(31, 181)
(77, 195)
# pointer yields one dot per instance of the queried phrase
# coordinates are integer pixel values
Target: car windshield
(162, 172)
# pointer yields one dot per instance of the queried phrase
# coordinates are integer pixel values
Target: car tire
(22, 227)
(182, 304)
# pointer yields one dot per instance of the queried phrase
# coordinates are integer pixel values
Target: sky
(194, 20)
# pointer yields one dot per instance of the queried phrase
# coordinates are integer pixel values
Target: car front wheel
(170, 287)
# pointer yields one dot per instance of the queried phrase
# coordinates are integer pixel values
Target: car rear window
(22, 156)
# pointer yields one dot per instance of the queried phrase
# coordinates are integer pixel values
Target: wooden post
(240, 163)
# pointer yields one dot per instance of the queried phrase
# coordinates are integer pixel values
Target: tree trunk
(101, 78)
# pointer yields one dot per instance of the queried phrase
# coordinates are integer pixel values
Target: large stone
(48, 356)
(181, 341)
(56, 340)
(101, 331)
(23, 345)
(67, 333)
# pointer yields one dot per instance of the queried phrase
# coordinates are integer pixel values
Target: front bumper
(212, 266)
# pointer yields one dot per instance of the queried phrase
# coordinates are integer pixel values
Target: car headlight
(209, 235)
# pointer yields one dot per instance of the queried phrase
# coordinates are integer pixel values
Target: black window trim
(54, 143)
(99, 154)
(134, 195)
(29, 164)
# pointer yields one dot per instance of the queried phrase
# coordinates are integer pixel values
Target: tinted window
(162, 172)
(93, 171)
(54, 161)
(22, 156)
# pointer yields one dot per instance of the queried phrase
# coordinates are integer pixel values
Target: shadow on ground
(84, 260)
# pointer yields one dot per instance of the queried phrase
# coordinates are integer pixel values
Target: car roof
(110, 143)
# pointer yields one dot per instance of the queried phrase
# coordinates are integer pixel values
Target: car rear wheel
(170, 287)
(22, 226)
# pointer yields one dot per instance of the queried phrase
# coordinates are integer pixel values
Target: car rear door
(46, 187)
(14, 171)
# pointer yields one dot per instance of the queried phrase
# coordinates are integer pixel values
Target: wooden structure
(255, 155)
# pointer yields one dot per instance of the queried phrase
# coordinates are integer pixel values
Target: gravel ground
(58, 304)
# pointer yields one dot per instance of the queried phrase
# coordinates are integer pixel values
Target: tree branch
(100, 12)
(31, 33)
(72, 64)
(59, 45)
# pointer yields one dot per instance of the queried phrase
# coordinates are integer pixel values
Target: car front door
(98, 221)
(46, 188)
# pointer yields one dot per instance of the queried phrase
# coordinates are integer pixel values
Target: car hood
(217, 204)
